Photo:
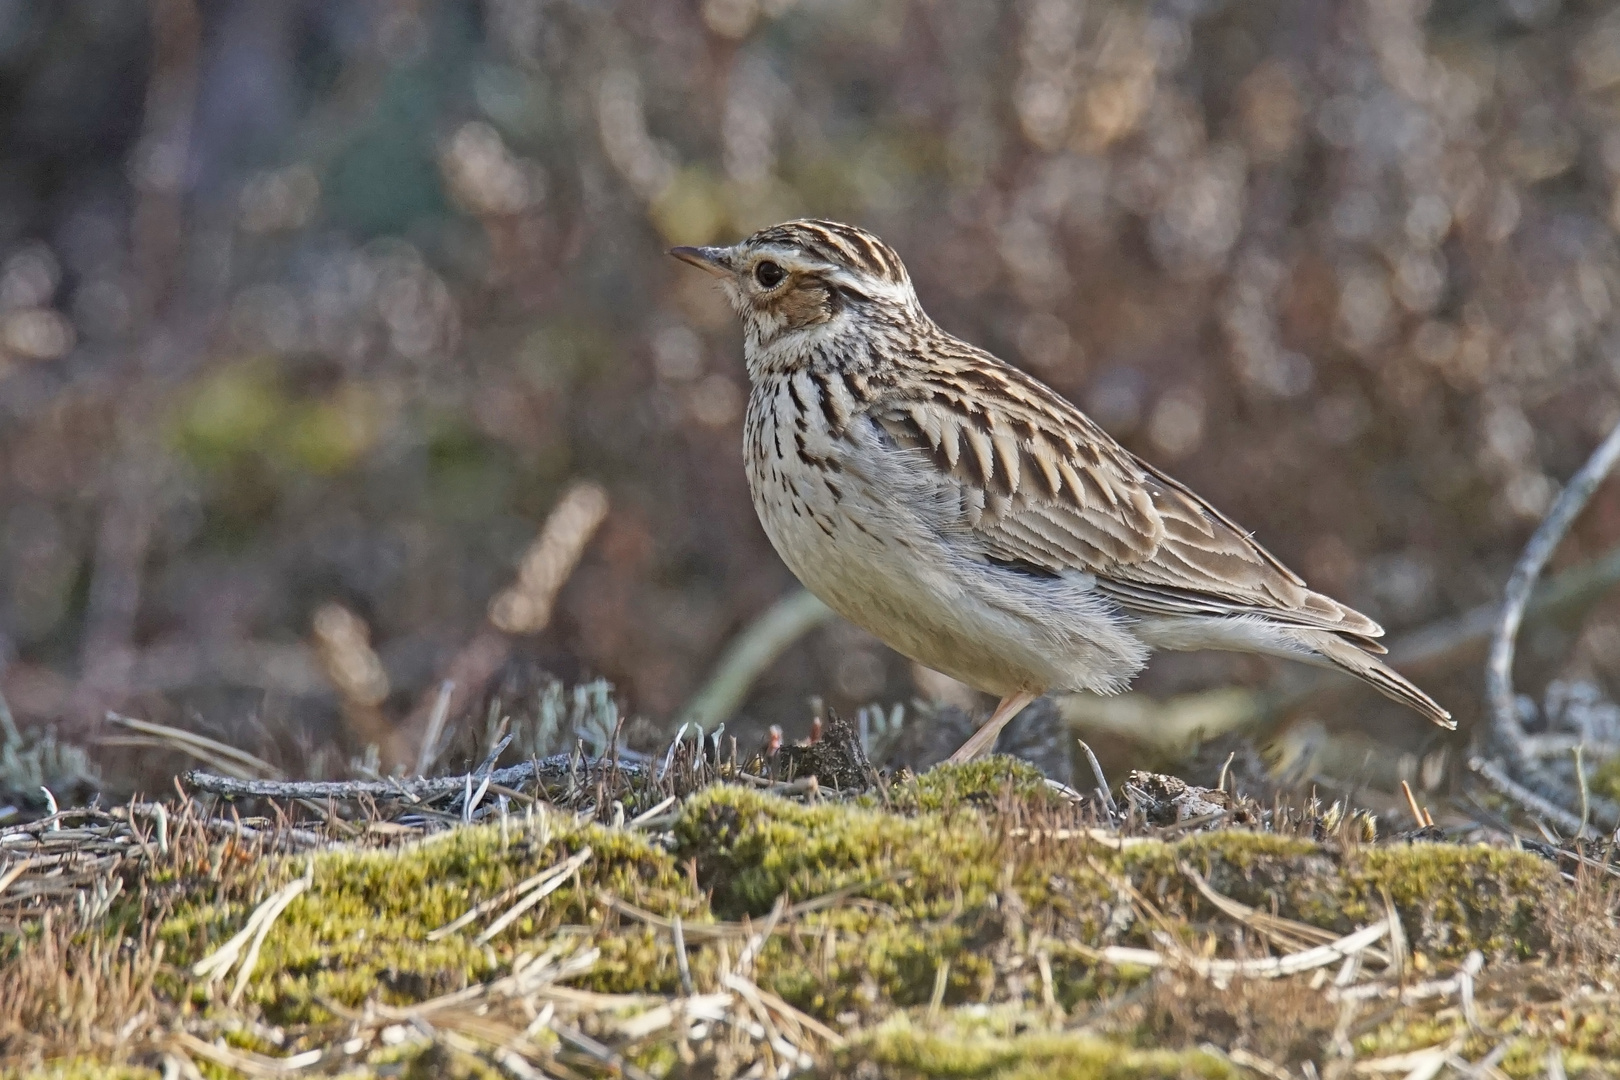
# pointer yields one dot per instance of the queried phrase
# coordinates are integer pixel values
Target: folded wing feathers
(1043, 485)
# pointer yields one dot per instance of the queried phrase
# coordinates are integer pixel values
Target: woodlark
(972, 518)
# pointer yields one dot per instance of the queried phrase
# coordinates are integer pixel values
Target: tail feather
(1342, 654)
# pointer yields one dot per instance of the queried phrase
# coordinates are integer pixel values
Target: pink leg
(985, 737)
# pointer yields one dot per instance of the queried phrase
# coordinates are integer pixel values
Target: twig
(1497, 777)
(1213, 712)
(524, 607)
(1557, 596)
(12, 873)
(554, 768)
(1506, 734)
(682, 966)
(130, 485)
(469, 671)
(429, 752)
(9, 735)
(1412, 804)
(1586, 795)
(1102, 780)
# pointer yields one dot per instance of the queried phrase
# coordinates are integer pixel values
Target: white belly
(868, 528)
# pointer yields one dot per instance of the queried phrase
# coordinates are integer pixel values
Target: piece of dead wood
(555, 769)
(1506, 734)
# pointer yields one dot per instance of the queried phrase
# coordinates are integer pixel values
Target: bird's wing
(1042, 486)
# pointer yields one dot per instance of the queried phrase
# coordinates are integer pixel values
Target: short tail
(1340, 653)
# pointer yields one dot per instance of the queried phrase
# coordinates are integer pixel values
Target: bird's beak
(715, 260)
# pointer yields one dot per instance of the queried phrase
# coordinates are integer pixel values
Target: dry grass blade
(217, 963)
(710, 931)
(1406, 995)
(756, 941)
(783, 1009)
(538, 893)
(505, 896)
(650, 813)
(540, 974)
(1269, 967)
(12, 873)
(1414, 1063)
(428, 753)
(1259, 1064)
(245, 1061)
(769, 1032)
(583, 1042)
(712, 1008)
(227, 759)
(525, 606)
(1289, 934)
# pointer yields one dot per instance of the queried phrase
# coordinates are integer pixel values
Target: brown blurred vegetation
(325, 302)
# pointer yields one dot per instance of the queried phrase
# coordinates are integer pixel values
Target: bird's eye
(769, 275)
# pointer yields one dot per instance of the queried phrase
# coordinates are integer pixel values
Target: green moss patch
(363, 928)
(903, 1050)
(945, 927)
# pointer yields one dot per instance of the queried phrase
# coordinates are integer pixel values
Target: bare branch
(1505, 734)
(556, 768)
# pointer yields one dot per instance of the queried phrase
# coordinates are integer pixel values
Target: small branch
(1497, 777)
(1505, 734)
(1102, 781)
(554, 768)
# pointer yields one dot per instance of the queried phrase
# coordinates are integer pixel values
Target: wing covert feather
(1041, 484)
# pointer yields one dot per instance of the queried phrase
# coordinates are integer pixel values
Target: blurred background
(311, 312)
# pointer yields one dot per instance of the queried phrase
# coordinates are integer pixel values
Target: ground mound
(679, 919)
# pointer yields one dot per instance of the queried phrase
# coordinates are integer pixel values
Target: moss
(953, 886)
(978, 784)
(361, 928)
(1604, 780)
(82, 1069)
(904, 1051)
(947, 889)
(1582, 1026)
(1454, 899)
(752, 847)
(956, 883)
(1451, 898)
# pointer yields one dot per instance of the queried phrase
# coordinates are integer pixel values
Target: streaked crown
(836, 243)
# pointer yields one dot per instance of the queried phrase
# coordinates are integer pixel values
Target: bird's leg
(985, 737)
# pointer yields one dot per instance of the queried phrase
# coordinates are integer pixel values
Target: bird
(972, 518)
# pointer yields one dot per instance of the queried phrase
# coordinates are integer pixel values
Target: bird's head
(802, 281)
